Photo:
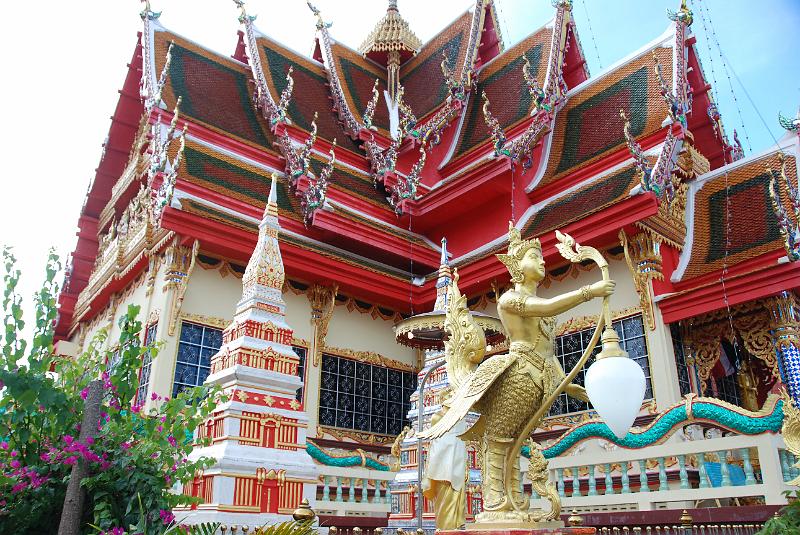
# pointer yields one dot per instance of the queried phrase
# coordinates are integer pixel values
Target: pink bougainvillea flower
(15, 464)
(154, 396)
(84, 393)
(166, 516)
(4, 445)
(172, 441)
(14, 453)
(68, 439)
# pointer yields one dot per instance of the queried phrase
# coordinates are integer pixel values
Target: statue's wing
(470, 392)
(466, 344)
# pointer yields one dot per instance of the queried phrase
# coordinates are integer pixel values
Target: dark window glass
(147, 361)
(197, 345)
(364, 397)
(569, 348)
(679, 349)
(301, 370)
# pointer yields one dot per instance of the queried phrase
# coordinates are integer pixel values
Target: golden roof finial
(391, 33)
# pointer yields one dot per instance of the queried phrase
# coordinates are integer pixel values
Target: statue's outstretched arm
(541, 307)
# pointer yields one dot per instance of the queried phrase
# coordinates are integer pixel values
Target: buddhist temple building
(277, 216)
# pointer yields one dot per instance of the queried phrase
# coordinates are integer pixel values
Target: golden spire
(392, 33)
(393, 37)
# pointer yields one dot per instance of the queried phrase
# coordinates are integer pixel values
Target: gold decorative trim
(322, 300)
(209, 321)
(181, 264)
(370, 357)
(643, 257)
(360, 437)
(580, 323)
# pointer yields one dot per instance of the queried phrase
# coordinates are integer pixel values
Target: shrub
(134, 459)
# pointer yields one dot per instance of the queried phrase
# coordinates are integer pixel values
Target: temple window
(198, 343)
(147, 362)
(681, 365)
(301, 370)
(569, 348)
(364, 397)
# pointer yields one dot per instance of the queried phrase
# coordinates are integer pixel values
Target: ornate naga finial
(148, 13)
(498, 136)
(162, 141)
(406, 188)
(641, 163)
(541, 99)
(677, 111)
(305, 153)
(405, 111)
(286, 96)
(562, 4)
(792, 125)
(151, 93)
(243, 16)
(735, 151)
(790, 230)
(520, 148)
(517, 247)
(317, 13)
(314, 196)
(683, 15)
(373, 103)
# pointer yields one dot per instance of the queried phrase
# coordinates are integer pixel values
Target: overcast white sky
(64, 62)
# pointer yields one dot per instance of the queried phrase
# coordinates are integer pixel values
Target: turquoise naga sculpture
(361, 459)
(691, 410)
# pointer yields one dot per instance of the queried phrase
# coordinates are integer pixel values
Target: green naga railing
(692, 409)
(360, 459)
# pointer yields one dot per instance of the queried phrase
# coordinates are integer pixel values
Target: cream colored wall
(298, 315)
(108, 318)
(358, 331)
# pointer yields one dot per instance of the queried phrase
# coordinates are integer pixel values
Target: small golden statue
(513, 391)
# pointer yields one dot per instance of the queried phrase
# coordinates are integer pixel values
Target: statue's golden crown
(517, 247)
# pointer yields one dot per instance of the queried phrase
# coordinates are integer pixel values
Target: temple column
(663, 371)
(643, 257)
(785, 332)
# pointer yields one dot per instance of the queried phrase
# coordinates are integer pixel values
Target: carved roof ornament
(792, 125)
(391, 33)
(642, 165)
(735, 150)
(351, 124)
(162, 142)
(788, 224)
(406, 187)
(683, 15)
(545, 104)
(275, 114)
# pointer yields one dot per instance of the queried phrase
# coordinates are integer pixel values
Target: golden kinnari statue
(512, 392)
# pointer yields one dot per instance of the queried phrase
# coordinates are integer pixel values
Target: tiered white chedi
(258, 437)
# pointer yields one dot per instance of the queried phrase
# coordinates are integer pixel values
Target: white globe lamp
(615, 385)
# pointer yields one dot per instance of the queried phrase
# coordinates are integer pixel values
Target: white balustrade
(677, 473)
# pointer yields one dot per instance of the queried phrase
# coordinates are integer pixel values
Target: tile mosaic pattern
(590, 127)
(753, 225)
(504, 84)
(215, 91)
(422, 77)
